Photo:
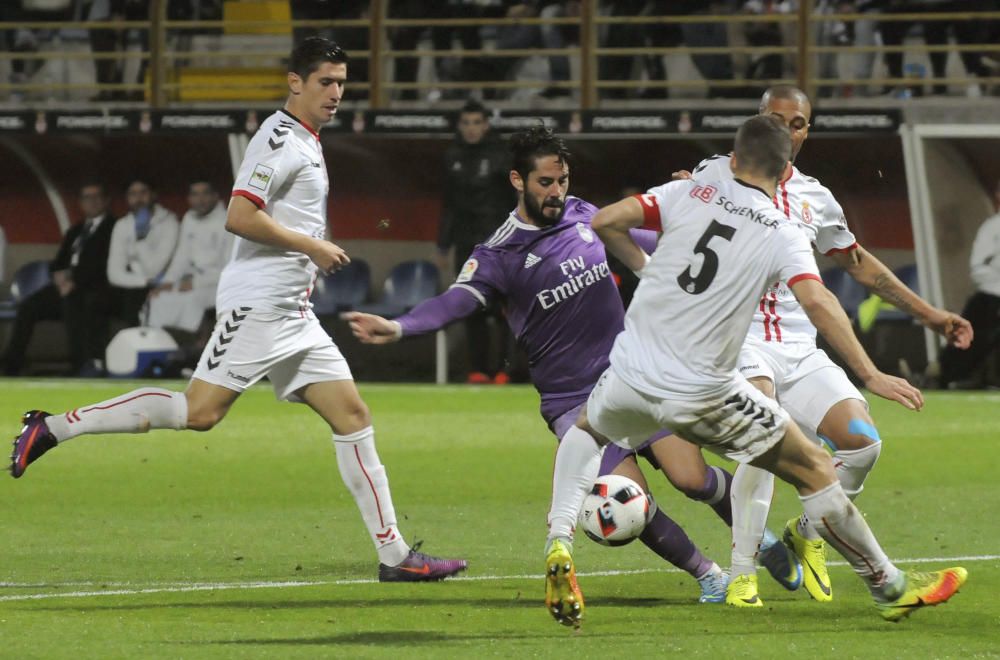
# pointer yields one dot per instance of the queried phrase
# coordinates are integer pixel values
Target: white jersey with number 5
(803, 199)
(723, 243)
(284, 174)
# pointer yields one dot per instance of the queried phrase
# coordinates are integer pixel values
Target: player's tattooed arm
(864, 267)
(828, 316)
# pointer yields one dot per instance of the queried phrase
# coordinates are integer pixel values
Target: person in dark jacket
(78, 291)
(477, 197)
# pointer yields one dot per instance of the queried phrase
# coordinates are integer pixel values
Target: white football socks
(841, 525)
(751, 494)
(365, 477)
(578, 460)
(136, 412)
(852, 468)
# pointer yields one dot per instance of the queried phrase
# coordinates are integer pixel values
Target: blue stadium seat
(408, 284)
(28, 279)
(848, 291)
(343, 290)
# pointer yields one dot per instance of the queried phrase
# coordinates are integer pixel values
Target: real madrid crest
(585, 232)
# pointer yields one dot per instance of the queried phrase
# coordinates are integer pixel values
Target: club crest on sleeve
(807, 216)
(261, 177)
(585, 232)
(468, 270)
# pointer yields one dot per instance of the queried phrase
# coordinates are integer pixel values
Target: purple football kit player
(551, 273)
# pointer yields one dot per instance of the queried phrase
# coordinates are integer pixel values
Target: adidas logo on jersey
(531, 260)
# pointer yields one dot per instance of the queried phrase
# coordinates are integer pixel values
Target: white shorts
(740, 423)
(806, 381)
(291, 352)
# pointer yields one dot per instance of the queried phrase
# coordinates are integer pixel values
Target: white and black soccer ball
(615, 511)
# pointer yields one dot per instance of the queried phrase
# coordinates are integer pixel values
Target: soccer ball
(615, 511)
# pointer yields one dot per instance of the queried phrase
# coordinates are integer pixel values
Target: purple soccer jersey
(559, 296)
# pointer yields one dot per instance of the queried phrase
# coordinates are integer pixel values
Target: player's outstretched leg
(34, 440)
(850, 432)
(135, 412)
(578, 461)
(923, 590)
(684, 466)
(896, 594)
(338, 402)
(563, 598)
(812, 554)
(365, 476)
(753, 543)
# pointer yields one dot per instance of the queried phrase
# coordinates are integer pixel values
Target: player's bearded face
(545, 192)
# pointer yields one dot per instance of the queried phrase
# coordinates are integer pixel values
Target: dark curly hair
(532, 143)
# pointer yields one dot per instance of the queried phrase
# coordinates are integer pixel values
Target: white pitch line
(228, 586)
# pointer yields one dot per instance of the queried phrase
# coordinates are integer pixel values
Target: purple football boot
(34, 440)
(418, 567)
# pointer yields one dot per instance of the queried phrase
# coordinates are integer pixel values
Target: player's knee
(852, 467)
(203, 419)
(354, 417)
(689, 484)
(862, 433)
(859, 432)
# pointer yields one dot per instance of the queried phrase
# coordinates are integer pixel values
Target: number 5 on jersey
(695, 284)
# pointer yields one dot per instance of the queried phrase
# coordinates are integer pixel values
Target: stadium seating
(28, 279)
(408, 284)
(342, 291)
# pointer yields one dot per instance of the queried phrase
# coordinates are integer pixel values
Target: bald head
(791, 105)
(784, 93)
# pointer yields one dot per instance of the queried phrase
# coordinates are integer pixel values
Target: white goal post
(947, 204)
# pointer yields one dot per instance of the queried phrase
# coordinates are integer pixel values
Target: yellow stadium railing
(236, 74)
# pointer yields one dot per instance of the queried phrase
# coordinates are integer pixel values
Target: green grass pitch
(243, 541)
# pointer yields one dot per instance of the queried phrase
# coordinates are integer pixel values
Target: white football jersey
(779, 317)
(723, 242)
(284, 174)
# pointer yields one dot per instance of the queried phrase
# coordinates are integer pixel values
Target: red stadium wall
(400, 178)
